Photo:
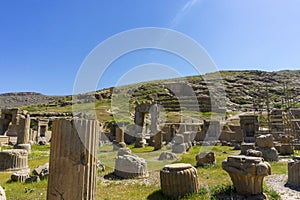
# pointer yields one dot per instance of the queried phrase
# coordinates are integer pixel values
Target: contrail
(182, 12)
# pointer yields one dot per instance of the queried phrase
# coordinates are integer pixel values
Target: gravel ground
(277, 182)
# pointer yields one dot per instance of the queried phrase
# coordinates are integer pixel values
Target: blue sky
(43, 43)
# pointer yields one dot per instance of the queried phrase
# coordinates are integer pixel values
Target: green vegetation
(214, 181)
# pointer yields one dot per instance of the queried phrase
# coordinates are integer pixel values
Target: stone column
(158, 143)
(247, 173)
(179, 179)
(294, 171)
(119, 142)
(73, 160)
(23, 132)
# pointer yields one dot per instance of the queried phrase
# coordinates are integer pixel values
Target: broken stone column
(158, 143)
(119, 142)
(187, 140)
(265, 144)
(205, 158)
(178, 180)
(179, 145)
(73, 160)
(13, 159)
(129, 165)
(294, 171)
(23, 130)
(247, 173)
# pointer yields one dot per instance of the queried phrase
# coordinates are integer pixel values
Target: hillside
(16, 99)
(243, 91)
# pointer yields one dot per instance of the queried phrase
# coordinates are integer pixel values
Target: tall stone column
(73, 160)
(23, 130)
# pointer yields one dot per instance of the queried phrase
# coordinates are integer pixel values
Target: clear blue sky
(43, 43)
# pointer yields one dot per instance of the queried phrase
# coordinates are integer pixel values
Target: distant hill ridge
(16, 99)
(241, 87)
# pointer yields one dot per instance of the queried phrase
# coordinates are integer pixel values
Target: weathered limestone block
(294, 171)
(286, 149)
(179, 145)
(2, 194)
(205, 158)
(269, 154)
(73, 160)
(286, 139)
(247, 173)
(265, 141)
(254, 153)
(179, 179)
(246, 146)
(129, 165)
(26, 147)
(167, 156)
(20, 176)
(13, 159)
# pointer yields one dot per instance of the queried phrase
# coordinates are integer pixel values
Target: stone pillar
(178, 180)
(247, 173)
(265, 144)
(294, 171)
(73, 160)
(23, 132)
(158, 143)
(119, 142)
(187, 140)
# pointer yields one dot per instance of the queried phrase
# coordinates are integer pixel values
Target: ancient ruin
(249, 126)
(294, 172)
(14, 159)
(129, 165)
(73, 161)
(205, 158)
(265, 144)
(179, 146)
(247, 173)
(179, 179)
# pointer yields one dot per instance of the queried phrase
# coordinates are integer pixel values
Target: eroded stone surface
(167, 156)
(13, 159)
(178, 180)
(247, 173)
(129, 165)
(206, 158)
(294, 171)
